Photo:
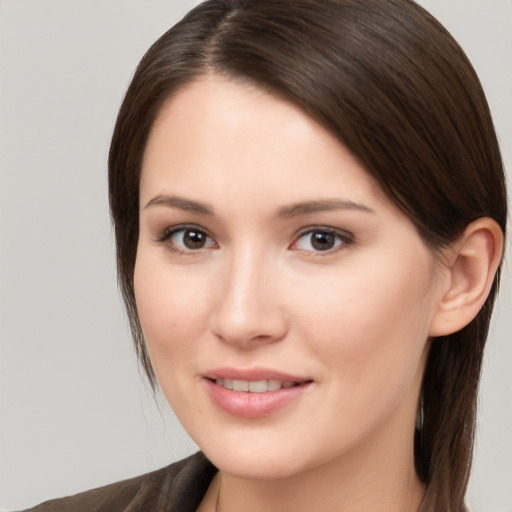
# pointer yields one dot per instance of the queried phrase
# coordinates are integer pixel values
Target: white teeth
(256, 386)
(273, 385)
(240, 385)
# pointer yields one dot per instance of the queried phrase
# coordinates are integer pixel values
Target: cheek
(371, 342)
(171, 308)
(367, 326)
(172, 318)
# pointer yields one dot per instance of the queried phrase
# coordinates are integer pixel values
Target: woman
(309, 207)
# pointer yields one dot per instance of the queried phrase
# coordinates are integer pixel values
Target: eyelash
(168, 233)
(341, 239)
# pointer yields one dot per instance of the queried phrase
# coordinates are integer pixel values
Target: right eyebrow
(181, 204)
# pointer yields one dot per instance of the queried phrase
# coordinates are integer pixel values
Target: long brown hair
(395, 88)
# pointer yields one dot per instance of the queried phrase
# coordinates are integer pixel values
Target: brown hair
(395, 88)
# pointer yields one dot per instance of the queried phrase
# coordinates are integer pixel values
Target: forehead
(216, 112)
(217, 134)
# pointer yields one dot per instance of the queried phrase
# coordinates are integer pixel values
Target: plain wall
(75, 412)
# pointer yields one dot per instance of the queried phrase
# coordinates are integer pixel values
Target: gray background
(75, 412)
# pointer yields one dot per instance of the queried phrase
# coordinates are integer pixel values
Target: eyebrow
(322, 205)
(293, 210)
(181, 204)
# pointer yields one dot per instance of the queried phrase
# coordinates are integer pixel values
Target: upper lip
(253, 374)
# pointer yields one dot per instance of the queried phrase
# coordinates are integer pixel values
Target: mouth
(256, 386)
(254, 393)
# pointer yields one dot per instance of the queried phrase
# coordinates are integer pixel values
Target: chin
(256, 465)
(264, 453)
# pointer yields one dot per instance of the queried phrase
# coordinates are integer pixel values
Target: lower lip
(253, 405)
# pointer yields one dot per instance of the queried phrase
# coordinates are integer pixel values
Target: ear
(471, 264)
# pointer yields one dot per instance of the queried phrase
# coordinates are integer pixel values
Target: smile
(252, 394)
(255, 386)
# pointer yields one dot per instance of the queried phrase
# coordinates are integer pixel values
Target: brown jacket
(179, 487)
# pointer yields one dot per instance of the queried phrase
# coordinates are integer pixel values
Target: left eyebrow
(322, 205)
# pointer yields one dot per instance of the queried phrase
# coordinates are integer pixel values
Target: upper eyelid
(171, 230)
(336, 231)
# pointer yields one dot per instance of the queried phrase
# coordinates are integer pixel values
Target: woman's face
(270, 262)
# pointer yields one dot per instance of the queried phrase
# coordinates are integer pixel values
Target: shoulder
(180, 486)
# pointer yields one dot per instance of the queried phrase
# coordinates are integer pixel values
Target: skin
(354, 320)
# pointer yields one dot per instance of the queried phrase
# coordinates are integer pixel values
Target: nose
(248, 312)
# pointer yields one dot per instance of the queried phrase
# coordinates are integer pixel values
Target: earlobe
(472, 262)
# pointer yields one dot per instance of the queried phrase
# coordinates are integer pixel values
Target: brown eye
(193, 239)
(186, 239)
(321, 240)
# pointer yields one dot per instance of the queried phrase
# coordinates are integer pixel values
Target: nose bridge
(248, 309)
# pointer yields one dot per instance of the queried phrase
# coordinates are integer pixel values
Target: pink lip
(253, 405)
(253, 374)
